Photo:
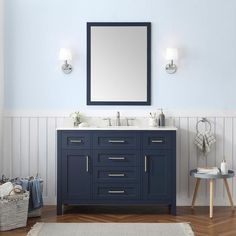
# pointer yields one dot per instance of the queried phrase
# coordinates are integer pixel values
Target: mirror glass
(119, 63)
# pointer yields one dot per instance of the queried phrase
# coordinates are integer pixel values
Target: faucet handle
(129, 119)
(109, 121)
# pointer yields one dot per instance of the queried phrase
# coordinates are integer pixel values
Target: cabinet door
(76, 175)
(156, 169)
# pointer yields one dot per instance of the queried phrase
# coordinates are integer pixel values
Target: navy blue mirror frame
(119, 24)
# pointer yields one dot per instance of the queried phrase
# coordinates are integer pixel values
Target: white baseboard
(49, 201)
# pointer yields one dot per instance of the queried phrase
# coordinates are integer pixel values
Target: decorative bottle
(224, 167)
(161, 120)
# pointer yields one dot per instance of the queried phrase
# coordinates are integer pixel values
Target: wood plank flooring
(222, 224)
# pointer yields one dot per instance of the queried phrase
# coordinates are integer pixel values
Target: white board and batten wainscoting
(29, 147)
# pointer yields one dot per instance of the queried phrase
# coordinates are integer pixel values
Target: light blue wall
(204, 31)
(1, 59)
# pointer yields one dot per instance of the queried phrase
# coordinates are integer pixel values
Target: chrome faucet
(118, 119)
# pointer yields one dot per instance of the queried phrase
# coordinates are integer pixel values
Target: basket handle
(13, 190)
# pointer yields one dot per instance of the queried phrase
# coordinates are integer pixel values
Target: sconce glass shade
(171, 54)
(65, 54)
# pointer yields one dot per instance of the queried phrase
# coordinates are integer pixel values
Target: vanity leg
(173, 210)
(59, 209)
(169, 208)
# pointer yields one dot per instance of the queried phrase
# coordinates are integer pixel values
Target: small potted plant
(76, 118)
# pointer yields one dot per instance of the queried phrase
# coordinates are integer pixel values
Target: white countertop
(119, 128)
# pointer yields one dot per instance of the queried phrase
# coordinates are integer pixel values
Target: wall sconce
(65, 55)
(171, 55)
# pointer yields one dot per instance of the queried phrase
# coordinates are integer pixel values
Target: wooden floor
(223, 223)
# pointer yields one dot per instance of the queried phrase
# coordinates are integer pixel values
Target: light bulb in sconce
(171, 56)
(65, 55)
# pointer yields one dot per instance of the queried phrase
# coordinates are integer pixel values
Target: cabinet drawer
(157, 140)
(116, 174)
(116, 191)
(76, 140)
(124, 140)
(116, 158)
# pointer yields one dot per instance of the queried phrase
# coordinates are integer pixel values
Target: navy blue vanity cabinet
(111, 167)
(157, 175)
(74, 168)
(116, 140)
(116, 178)
(76, 175)
(159, 167)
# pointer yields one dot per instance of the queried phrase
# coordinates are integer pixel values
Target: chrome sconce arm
(66, 67)
(66, 55)
(171, 68)
(171, 55)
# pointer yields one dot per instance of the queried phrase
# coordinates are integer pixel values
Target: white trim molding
(142, 112)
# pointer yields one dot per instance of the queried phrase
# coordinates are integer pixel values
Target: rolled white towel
(17, 189)
(6, 189)
(209, 170)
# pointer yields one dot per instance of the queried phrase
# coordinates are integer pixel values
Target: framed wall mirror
(118, 63)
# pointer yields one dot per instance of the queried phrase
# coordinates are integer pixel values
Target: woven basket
(14, 211)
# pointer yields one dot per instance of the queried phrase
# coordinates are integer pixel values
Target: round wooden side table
(211, 179)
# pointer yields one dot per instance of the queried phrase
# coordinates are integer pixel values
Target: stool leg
(211, 198)
(228, 192)
(195, 191)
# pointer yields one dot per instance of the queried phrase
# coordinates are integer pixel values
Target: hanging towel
(33, 186)
(204, 141)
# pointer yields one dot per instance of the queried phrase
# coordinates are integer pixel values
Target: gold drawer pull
(116, 141)
(157, 141)
(116, 158)
(116, 175)
(116, 191)
(75, 141)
